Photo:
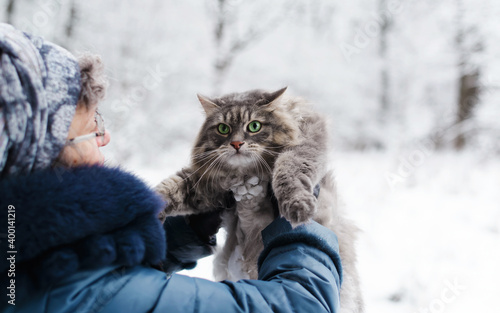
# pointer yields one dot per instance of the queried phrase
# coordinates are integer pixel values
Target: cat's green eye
(254, 126)
(223, 129)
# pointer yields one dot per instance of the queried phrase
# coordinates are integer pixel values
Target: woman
(81, 237)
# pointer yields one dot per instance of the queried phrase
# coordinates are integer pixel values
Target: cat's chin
(239, 161)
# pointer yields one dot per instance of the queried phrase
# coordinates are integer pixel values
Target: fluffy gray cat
(252, 142)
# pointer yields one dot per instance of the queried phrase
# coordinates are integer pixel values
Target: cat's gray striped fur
(288, 152)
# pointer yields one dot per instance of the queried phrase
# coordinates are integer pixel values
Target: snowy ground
(431, 238)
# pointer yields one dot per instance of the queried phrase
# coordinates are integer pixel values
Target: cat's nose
(237, 144)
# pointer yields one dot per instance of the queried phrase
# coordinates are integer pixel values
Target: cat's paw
(172, 190)
(299, 208)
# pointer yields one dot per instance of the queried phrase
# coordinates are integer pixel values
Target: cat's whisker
(263, 149)
(275, 147)
(218, 170)
(194, 155)
(256, 164)
(203, 153)
(255, 153)
(208, 156)
(188, 176)
(215, 173)
(261, 167)
(203, 160)
(202, 156)
(207, 170)
(273, 153)
(264, 162)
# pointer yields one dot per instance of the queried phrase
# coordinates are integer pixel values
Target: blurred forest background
(388, 73)
(411, 88)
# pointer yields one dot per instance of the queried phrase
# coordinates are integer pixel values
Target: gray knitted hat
(39, 90)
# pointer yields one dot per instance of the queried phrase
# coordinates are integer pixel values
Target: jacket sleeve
(299, 271)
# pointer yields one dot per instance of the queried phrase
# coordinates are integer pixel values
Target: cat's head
(244, 131)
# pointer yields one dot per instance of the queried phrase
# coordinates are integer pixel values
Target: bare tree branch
(73, 16)
(468, 43)
(10, 11)
(226, 54)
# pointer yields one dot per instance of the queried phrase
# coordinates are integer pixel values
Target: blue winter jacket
(88, 240)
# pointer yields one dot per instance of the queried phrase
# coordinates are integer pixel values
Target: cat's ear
(272, 97)
(208, 105)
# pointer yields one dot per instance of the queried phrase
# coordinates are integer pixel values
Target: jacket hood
(40, 84)
(68, 219)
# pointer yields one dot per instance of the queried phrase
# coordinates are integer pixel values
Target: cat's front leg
(176, 190)
(294, 179)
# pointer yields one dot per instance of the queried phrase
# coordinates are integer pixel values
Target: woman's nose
(104, 139)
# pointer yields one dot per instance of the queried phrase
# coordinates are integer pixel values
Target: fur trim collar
(80, 218)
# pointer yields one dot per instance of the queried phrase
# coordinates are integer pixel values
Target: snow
(441, 224)
(439, 227)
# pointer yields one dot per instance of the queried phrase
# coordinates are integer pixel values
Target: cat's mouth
(239, 158)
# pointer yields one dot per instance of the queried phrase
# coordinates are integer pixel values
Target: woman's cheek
(84, 153)
(94, 156)
(99, 158)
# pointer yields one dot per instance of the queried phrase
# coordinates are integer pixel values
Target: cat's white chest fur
(253, 206)
(235, 267)
(250, 193)
(247, 190)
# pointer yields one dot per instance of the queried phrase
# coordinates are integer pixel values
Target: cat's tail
(331, 214)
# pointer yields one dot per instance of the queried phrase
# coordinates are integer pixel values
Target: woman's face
(86, 152)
